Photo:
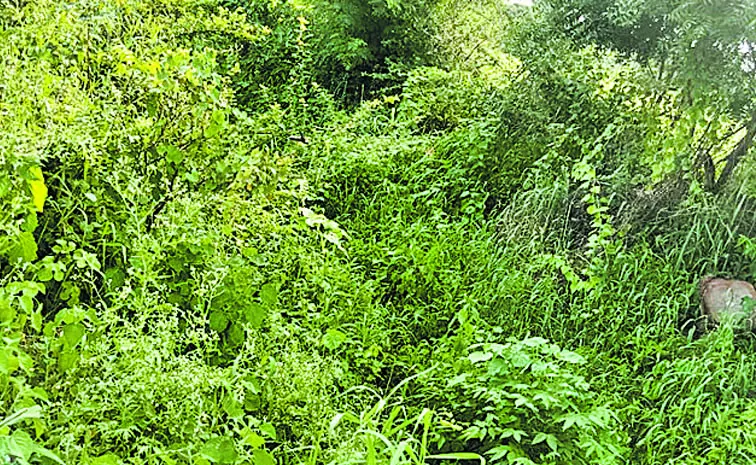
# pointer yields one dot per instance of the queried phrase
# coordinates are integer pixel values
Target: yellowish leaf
(38, 188)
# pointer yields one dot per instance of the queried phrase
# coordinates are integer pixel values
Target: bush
(522, 401)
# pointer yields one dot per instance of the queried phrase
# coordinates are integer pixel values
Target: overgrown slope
(382, 232)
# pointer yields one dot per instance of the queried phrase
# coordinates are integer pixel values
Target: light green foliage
(372, 232)
(527, 405)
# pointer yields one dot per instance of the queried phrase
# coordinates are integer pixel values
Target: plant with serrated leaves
(523, 403)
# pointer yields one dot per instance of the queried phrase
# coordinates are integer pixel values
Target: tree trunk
(737, 154)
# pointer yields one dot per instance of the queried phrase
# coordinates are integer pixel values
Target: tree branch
(737, 154)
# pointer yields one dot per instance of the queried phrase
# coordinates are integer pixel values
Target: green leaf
(45, 274)
(534, 341)
(73, 333)
(571, 357)
(458, 456)
(269, 294)
(30, 222)
(21, 445)
(232, 407)
(107, 459)
(262, 457)
(36, 319)
(268, 430)
(7, 312)
(192, 177)
(172, 154)
(8, 363)
(477, 357)
(25, 249)
(218, 321)
(220, 450)
(38, 393)
(27, 413)
(236, 334)
(252, 439)
(520, 359)
(212, 129)
(38, 188)
(255, 314)
(333, 338)
(67, 360)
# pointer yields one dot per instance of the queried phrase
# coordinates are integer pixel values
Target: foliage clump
(331, 232)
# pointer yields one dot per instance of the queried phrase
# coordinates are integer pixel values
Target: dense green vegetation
(381, 232)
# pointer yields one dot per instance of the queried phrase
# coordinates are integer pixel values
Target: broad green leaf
(520, 359)
(534, 341)
(269, 294)
(232, 407)
(268, 430)
(571, 357)
(255, 314)
(21, 445)
(172, 154)
(262, 457)
(236, 334)
(220, 450)
(218, 321)
(73, 333)
(45, 274)
(252, 439)
(333, 338)
(67, 360)
(7, 311)
(25, 248)
(8, 362)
